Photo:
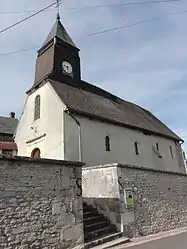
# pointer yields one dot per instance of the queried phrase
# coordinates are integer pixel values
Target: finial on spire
(58, 16)
(58, 9)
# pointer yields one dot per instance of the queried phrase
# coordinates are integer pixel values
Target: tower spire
(58, 31)
(58, 48)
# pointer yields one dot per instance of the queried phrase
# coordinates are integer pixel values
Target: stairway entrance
(97, 228)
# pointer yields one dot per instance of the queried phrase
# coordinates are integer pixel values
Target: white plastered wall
(122, 141)
(46, 132)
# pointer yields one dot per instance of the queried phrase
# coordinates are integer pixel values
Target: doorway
(35, 153)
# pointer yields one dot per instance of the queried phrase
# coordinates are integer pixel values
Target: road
(178, 241)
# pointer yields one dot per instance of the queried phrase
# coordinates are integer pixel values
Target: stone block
(77, 205)
(73, 232)
(67, 219)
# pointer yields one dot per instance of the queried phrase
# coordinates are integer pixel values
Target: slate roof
(92, 101)
(8, 125)
(60, 32)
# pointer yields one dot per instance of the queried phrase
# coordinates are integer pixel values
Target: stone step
(93, 226)
(102, 240)
(101, 232)
(89, 213)
(94, 219)
(120, 242)
(96, 226)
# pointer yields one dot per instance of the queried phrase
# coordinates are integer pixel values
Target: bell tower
(58, 58)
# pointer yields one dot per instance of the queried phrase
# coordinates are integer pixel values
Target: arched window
(37, 107)
(157, 147)
(35, 153)
(107, 143)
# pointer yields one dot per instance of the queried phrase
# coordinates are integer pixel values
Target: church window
(37, 108)
(157, 147)
(35, 153)
(156, 150)
(171, 151)
(107, 143)
(136, 148)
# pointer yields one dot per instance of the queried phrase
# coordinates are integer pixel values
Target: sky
(144, 63)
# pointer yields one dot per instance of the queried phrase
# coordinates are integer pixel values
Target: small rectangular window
(107, 143)
(157, 147)
(171, 151)
(136, 148)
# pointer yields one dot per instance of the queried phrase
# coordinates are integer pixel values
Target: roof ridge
(108, 93)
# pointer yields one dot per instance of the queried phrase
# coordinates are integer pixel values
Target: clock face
(67, 67)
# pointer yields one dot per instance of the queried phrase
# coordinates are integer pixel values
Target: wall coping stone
(132, 167)
(150, 169)
(85, 168)
(40, 160)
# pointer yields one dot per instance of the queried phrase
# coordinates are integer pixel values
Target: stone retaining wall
(160, 197)
(40, 204)
(160, 200)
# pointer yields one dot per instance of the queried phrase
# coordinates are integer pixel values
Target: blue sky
(145, 64)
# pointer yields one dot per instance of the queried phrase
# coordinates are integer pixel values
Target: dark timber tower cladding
(58, 58)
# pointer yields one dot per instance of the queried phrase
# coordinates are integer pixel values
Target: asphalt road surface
(178, 241)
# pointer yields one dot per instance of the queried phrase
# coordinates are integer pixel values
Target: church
(67, 118)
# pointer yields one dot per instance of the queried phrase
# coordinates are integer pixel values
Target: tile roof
(92, 101)
(8, 125)
(8, 146)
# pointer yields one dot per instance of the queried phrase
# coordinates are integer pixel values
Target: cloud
(145, 63)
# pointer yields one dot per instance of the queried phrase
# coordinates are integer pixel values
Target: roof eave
(38, 84)
(97, 117)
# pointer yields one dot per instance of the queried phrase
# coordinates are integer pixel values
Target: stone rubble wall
(40, 204)
(160, 200)
(160, 197)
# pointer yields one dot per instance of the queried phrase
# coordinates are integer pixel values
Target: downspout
(183, 155)
(79, 133)
(181, 143)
